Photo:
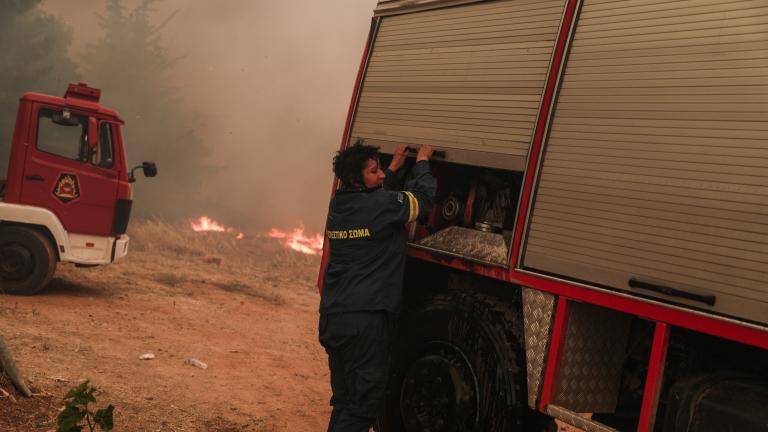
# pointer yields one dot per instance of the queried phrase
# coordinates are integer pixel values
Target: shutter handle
(35, 177)
(436, 154)
(673, 292)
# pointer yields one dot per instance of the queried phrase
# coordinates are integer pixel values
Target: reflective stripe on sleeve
(413, 207)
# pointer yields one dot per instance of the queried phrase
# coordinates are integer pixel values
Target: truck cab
(67, 195)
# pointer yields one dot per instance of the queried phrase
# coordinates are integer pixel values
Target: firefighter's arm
(420, 191)
(392, 180)
(419, 194)
(398, 157)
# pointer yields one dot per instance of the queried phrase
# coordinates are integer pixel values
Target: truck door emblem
(67, 188)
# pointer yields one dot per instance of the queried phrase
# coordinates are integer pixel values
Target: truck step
(574, 419)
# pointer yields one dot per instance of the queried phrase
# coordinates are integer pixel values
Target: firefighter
(363, 281)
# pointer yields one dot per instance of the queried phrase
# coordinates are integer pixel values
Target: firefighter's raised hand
(398, 158)
(425, 152)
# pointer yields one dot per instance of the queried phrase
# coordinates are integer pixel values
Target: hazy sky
(272, 81)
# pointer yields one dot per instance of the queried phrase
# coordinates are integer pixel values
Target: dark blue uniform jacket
(367, 237)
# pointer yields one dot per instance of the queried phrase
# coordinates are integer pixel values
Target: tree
(33, 57)
(132, 66)
(9, 368)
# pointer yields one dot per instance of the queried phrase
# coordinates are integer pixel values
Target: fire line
(298, 241)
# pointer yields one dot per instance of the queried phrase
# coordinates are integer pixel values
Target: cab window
(63, 134)
(105, 157)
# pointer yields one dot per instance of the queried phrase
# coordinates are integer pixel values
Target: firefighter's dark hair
(348, 164)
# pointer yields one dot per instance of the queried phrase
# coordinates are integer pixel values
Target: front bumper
(120, 248)
(89, 250)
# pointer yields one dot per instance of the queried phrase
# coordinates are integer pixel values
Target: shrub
(76, 410)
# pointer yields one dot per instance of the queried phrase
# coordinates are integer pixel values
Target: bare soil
(247, 308)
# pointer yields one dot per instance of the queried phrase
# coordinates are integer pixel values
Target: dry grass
(170, 279)
(174, 258)
(180, 242)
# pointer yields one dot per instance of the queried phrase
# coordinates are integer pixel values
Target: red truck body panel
(15, 172)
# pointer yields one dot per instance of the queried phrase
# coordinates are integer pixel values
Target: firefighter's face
(373, 176)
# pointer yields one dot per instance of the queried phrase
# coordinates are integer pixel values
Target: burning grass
(155, 236)
(176, 259)
(254, 265)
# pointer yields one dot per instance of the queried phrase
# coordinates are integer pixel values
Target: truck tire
(456, 367)
(27, 260)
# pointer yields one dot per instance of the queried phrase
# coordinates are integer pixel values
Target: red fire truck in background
(67, 195)
(598, 249)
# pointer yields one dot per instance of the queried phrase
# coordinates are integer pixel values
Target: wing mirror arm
(149, 168)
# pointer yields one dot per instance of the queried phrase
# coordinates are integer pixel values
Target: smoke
(270, 83)
(34, 59)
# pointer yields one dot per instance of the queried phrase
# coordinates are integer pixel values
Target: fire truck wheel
(27, 260)
(455, 367)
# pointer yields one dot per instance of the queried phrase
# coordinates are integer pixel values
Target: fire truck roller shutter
(389, 7)
(656, 166)
(467, 79)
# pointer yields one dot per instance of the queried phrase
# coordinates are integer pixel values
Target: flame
(206, 224)
(296, 240)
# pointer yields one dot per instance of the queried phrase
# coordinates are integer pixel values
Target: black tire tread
(41, 246)
(500, 322)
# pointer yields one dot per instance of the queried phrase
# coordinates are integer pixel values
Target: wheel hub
(439, 392)
(16, 262)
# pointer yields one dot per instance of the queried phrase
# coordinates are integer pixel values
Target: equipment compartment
(474, 214)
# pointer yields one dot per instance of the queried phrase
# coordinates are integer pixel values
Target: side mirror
(93, 132)
(149, 168)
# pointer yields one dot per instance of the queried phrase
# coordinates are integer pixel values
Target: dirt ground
(247, 308)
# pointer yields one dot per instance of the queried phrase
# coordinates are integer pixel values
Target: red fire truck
(67, 195)
(598, 249)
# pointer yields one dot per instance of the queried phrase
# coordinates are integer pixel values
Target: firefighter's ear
(93, 132)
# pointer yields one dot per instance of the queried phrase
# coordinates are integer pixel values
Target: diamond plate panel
(538, 309)
(574, 419)
(590, 369)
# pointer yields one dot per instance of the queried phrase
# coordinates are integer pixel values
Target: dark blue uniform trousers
(357, 344)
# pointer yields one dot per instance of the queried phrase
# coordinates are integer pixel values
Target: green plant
(76, 410)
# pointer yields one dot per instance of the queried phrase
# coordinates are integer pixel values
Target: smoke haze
(270, 82)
